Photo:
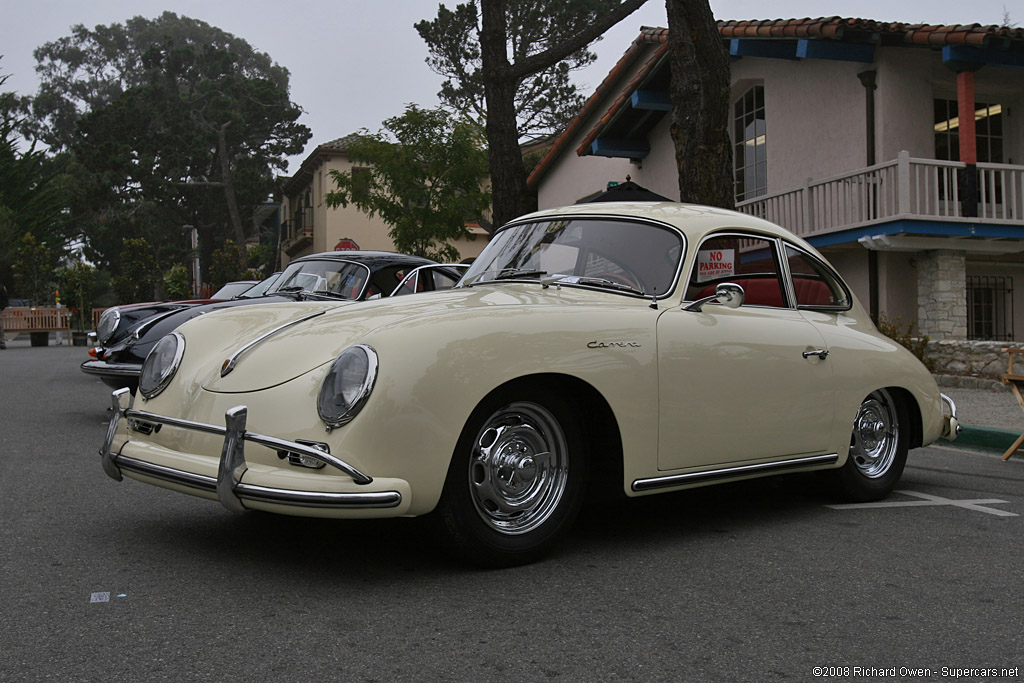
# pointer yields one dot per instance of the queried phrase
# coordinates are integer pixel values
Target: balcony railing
(923, 189)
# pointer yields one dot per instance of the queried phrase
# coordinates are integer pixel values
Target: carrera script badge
(613, 345)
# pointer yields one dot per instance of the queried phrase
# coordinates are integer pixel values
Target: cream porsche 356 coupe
(640, 347)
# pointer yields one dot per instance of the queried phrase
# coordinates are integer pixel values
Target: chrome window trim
(773, 467)
(829, 269)
(781, 266)
(683, 246)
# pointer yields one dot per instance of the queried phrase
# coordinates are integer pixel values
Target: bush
(77, 283)
(138, 277)
(906, 336)
(176, 283)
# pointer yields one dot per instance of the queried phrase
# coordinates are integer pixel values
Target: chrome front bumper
(951, 426)
(228, 484)
(103, 368)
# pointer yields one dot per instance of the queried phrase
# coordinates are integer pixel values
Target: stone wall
(942, 294)
(974, 358)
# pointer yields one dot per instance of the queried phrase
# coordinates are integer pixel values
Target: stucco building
(310, 226)
(895, 149)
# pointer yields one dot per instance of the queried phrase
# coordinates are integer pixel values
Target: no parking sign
(715, 263)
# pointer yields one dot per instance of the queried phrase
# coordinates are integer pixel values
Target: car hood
(275, 343)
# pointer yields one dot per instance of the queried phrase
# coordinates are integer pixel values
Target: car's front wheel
(516, 479)
(878, 449)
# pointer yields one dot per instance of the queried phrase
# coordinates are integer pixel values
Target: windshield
(632, 257)
(260, 289)
(341, 279)
(233, 289)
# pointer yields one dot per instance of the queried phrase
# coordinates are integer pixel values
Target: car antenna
(654, 299)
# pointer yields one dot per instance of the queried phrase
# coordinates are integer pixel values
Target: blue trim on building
(844, 52)
(771, 49)
(968, 58)
(923, 228)
(655, 100)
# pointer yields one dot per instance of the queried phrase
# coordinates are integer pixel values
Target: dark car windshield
(260, 289)
(623, 254)
(342, 279)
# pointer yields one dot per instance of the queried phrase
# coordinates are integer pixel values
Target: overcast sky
(354, 63)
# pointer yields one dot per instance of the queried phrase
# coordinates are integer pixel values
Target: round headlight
(347, 385)
(161, 364)
(107, 325)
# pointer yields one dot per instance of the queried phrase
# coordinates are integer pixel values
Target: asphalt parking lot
(766, 580)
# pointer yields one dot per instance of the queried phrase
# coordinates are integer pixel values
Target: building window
(750, 160)
(990, 308)
(988, 125)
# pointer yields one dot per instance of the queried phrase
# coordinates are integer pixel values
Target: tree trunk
(229, 188)
(700, 104)
(508, 175)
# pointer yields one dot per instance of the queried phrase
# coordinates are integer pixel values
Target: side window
(814, 284)
(747, 261)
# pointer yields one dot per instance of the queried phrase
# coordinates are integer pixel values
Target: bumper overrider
(951, 426)
(228, 485)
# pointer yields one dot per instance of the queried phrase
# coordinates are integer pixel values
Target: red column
(965, 112)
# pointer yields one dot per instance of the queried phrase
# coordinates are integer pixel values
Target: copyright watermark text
(915, 672)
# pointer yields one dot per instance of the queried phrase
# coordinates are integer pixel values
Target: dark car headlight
(347, 385)
(161, 364)
(107, 325)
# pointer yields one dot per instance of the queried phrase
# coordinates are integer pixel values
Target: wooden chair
(1015, 382)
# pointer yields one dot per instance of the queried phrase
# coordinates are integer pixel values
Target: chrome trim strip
(268, 441)
(949, 402)
(952, 425)
(263, 494)
(101, 367)
(737, 471)
(231, 362)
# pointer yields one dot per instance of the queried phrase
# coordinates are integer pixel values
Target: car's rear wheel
(878, 449)
(516, 479)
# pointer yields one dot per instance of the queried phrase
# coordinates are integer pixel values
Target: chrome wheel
(518, 468)
(875, 439)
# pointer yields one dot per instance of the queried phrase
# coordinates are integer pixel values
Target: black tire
(503, 505)
(878, 450)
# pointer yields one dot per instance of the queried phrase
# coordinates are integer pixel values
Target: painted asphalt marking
(930, 500)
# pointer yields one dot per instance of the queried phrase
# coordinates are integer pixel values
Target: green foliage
(172, 123)
(226, 265)
(546, 100)
(177, 284)
(33, 271)
(906, 335)
(77, 284)
(33, 194)
(262, 259)
(425, 178)
(139, 274)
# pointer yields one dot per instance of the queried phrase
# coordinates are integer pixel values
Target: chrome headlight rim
(105, 329)
(165, 374)
(369, 380)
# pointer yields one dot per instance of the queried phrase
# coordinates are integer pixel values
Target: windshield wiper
(595, 282)
(324, 292)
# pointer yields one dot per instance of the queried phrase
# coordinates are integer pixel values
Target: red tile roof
(833, 28)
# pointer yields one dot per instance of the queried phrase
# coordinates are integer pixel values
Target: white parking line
(930, 500)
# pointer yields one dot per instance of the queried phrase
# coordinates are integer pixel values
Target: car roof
(372, 259)
(693, 220)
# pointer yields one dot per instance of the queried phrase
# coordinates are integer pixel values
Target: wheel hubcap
(519, 468)
(875, 435)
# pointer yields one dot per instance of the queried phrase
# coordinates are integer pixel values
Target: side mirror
(729, 294)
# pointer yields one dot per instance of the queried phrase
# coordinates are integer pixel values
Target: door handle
(820, 353)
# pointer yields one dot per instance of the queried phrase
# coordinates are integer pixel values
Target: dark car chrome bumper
(105, 369)
(228, 485)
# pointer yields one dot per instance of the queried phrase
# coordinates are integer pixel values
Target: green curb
(987, 438)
